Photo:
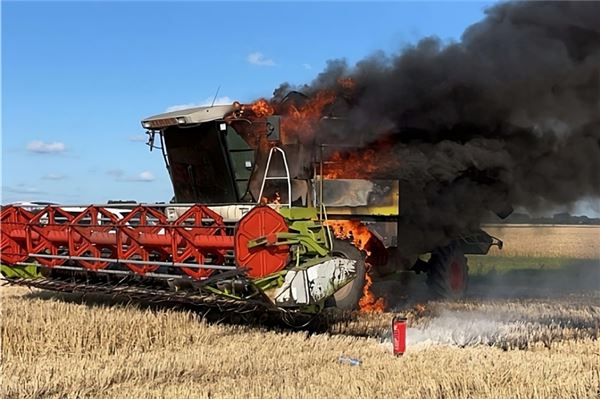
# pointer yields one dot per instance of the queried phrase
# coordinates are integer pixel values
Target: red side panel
(13, 246)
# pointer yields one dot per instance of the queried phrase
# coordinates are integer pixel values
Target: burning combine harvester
(265, 212)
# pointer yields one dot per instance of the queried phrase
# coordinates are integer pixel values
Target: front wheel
(447, 272)
(348, 296)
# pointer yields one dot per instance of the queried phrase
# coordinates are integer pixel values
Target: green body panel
(272, 281)
(304, 223)
(299, 213)
(28, 271)
(307, 237)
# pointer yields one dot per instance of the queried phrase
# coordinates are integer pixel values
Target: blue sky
(77, 77)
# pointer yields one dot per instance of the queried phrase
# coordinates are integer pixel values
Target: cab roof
(188, 116)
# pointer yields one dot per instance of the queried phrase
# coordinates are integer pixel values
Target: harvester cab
(207, 161)
(217, 155)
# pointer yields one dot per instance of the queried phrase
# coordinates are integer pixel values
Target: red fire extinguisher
(399, 335)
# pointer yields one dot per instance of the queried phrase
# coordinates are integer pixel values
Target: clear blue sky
(77, 77)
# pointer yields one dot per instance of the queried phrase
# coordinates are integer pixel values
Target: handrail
(267, 177)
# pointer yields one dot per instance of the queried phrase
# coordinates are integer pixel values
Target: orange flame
(352, 230)
(346, 83)
(369, 303)
(361, 237)
(297, 121)
(351, 165)
(376, 160)
(302, 121)
(262, 108)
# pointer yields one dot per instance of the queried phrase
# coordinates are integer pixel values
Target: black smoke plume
(507, 116)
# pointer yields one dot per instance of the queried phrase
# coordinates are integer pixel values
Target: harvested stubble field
(538, 341)
(61, 346)
(577, 242)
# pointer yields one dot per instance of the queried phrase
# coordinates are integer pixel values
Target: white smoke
(462, 328)
(507, 326)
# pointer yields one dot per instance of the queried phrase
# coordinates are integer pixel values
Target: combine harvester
(260, 224)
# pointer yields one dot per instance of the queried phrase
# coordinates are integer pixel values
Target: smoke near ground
(508, 116)
(509, 324)
(518, 309)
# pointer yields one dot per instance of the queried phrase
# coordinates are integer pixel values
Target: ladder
(286, 177)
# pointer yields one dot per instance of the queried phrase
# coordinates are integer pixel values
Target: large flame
(374, 160)
(351, 164)
(362, 239)
(369, 303)
(301, 121)
(298, 120)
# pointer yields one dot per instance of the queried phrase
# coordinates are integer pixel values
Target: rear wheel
(347, 297)
(447, 272)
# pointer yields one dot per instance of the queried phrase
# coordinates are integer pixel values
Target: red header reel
(144, 240)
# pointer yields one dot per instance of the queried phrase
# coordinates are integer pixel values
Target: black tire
(347, 297)
(448, 273)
